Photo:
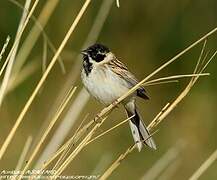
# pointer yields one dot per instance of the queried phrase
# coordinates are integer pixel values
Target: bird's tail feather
(139, 131)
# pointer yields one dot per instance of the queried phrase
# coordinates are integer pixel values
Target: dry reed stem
(4, 48)
(116, 163)
(200, 56)
(63, 148)
(1, 54)
(170, 170)
(8, 139)
(24, 74)
(44, 56)
(160, 83)
(165, 160)
(165, 111)
(50, 126)
(25, 150)
(109, 130)
(34, 34)
(42, 80)
(118, 3)
(67, 150)
(212, 158)
(104, 161)
(78, 149)
(64, 127)
(174, 77)
(12, 55)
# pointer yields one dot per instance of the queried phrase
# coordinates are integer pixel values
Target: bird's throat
(88, 66)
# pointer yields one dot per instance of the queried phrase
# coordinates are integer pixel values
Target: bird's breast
(104, 84)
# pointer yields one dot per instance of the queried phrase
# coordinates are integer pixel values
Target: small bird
(106, 78)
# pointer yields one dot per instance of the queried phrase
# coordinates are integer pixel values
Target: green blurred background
(144, 34)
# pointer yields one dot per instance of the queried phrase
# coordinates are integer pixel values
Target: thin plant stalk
(212, 158)
(77, 149)
(64, 127)
(66, 150)
(109, 130)
(4, 48)
(25, 150)
(175, 77)
(118, 3)
(52, 123)
(24, 74)
(116, 163)
(34, 34)
(12, 55)
(168, 158)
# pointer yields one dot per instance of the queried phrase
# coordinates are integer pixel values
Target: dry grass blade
(53, 121)
(109, 130)
(78, 149)
(64, 127)
(170, 170)
(44, 57)
(200, 57)
(39, 85)
(174, 77)
(4, 48)
(204, 166)
(118, 3)
(70, 145)
(12, 55)
(166, 110)
(72, 141)
(24, 74)
(170, 157)
(104, 161)
(34, 34)
(116, 163)
(25, 150)
(159, 83)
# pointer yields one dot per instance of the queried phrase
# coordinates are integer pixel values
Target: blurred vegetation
(144, 34)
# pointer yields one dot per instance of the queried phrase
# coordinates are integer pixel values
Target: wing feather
(120, 69)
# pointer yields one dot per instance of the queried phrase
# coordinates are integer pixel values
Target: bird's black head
(96, 52)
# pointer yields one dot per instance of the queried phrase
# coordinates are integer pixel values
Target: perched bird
(107, 79)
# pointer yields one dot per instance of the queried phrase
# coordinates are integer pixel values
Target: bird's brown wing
(120, 69)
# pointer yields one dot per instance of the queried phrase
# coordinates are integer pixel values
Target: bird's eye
(99, 57)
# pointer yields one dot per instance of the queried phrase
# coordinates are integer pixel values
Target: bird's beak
(84, 52)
